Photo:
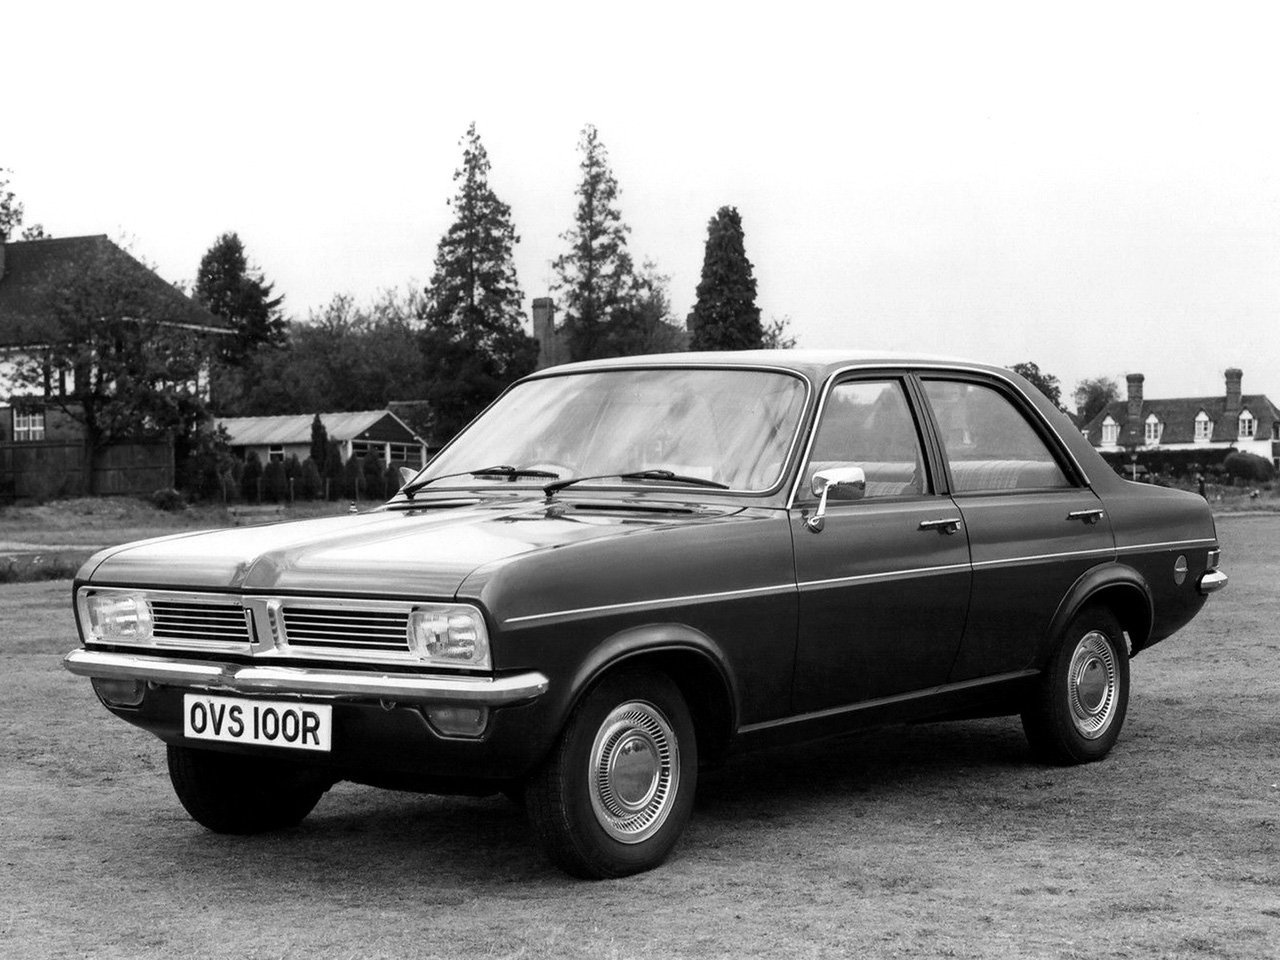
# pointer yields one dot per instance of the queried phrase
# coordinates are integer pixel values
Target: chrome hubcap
(635, 771)
(1093, 684)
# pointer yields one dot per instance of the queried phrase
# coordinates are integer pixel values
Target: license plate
(271, 723)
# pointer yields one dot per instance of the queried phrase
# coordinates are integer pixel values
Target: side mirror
(407, 474)
(844, 483)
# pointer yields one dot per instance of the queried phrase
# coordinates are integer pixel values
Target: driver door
(884, 582)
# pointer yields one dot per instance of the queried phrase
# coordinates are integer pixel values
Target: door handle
(1088, 516)
(948, 525)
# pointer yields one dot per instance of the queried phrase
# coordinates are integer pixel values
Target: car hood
(424, 552)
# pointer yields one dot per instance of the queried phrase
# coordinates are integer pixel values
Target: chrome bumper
(233, 678)
(1212, 582)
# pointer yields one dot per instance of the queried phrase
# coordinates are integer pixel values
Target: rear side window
(989, 443)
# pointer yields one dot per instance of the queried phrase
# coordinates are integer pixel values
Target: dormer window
(1110, 432)
(1153, 428)
(1248, 425)
(1204, 427)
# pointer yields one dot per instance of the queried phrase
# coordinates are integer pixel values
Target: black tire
(1079, 705)
(229, 793)
(615, 794)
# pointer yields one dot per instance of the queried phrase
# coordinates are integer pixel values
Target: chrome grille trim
(346, 627)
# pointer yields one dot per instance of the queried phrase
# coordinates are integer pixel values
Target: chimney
(1135, 402)
(544, 330)
(1233, 376)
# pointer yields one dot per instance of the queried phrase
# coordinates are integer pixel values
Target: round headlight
(120, 618)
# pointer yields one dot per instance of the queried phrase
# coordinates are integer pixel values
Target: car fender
(1106, 576)
(634, 643)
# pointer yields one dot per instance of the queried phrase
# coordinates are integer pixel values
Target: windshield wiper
(497, 470)
(667, 475)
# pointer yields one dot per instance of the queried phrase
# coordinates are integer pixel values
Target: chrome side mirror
(850, 482)
(407, 474)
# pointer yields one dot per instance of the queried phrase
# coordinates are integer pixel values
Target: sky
(1094, 188)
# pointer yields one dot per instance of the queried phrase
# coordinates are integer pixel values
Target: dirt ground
(932, 841)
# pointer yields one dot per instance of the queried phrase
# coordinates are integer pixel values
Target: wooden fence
(59, 469)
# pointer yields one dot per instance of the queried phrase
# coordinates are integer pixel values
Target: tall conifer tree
(473, 340)
(227, 285)
(725, 316)
(595, 279)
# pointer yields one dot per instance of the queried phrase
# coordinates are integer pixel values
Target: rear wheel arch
(1117, 588)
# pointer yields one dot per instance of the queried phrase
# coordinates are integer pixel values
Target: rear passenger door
(1034, 525)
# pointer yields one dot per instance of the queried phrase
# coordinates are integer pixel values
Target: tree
(777, 335)
(231, 289)
(1093, 395)
(1046, 383)
(12, 212)
(112, 360)
(319, 441)
(645, 324)
(594, 279)
(725, 316)
(473, 340)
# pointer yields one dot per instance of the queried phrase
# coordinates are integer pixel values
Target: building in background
(1249, 423)
(363, 433)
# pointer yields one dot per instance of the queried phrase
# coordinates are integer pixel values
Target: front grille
(346, 628)
(199, 622)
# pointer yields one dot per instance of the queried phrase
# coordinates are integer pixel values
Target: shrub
(1248, 467)
(374, 472)
(168, 499)
(333, 472)
(310, 483)
(275, 482)
(353, 481)
(250, 476)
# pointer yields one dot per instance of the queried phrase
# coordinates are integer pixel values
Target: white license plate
(271, 723)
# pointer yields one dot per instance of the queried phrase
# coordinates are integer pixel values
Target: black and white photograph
(671, 480)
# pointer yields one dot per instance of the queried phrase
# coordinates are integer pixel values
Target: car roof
(816, 365)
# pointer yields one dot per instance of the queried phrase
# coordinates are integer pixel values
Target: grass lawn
(940, 840)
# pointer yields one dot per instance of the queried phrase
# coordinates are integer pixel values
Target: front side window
(733, 427)
(28, 426)
(990, 444)
(868, 424)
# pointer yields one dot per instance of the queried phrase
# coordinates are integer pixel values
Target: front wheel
(1077, 711)
(617, 790)
(230, 793)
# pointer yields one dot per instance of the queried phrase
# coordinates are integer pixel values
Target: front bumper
(307, 681)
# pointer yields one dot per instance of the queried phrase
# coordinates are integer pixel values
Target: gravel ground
(940, 840)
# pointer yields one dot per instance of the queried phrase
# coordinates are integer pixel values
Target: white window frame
(1152, 429)
(1110, 432)
(275, 453)
(1204, 428)
(29, 426)
(1248, 425)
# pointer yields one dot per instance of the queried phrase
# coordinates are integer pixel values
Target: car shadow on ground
(376, 838)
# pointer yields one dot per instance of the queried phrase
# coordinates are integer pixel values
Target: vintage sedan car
(624, 570)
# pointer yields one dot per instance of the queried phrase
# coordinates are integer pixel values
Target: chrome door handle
(948, 525)
(1088, 516)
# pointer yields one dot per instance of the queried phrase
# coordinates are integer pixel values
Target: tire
(228, 793)
(1079, 706)
(616, 792)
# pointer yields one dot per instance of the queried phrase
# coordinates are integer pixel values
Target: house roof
(296, 428)
(29, 266)
(1178, 416)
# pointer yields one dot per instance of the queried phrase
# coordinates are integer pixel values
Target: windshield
(733, 427)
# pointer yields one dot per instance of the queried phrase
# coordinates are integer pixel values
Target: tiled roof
(296, 428)
(1179, 419)
(30, 265)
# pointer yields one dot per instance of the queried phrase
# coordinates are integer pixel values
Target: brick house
(1235, 420)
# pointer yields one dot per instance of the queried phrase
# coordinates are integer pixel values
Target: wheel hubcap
(1093, 684)
(635, 771)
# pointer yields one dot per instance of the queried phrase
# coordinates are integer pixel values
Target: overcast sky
(1095, 188)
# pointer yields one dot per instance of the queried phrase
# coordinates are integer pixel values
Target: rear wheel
(229, 793)
(1078, 709)
(617, 790)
